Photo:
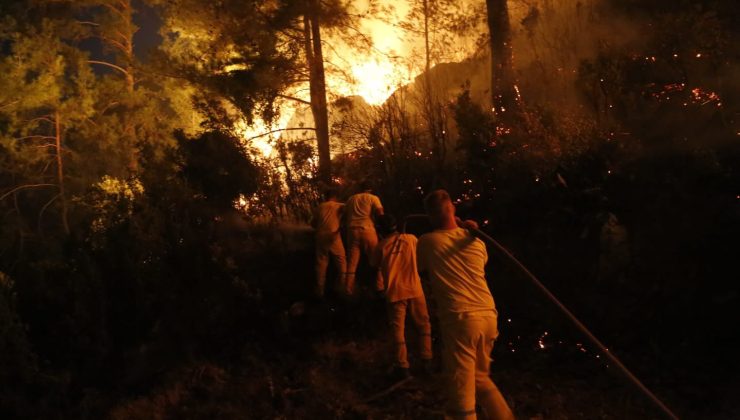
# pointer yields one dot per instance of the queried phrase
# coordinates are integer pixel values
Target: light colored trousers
(417, 310)
(329, 245)
(359, 239)
(468, 340)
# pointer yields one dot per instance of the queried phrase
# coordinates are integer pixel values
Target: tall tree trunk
(120, 37)
(431, 106)
(317, 86)
(60, 170)
(425, 5)
(503, 92)
(127, 37)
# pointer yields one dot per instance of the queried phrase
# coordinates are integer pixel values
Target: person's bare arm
(377, 210)
(467, 224)
(377, 207)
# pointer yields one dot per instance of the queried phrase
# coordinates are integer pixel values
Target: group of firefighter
(453, 261)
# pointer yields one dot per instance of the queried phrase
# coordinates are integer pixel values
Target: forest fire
(233, 209)
(376, 81)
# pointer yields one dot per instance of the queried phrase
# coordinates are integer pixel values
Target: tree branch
(2, 197)
(47, 119)
(9, 104)
(104, 63)
(116, 11)
(117, 44)
(86, 22)
(43, 209)
(293, 98)
(36, 137)
(282, 129)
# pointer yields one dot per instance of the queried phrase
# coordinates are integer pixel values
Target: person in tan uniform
(326, 220)
(361, 236)
(395, 257)
(454, 261)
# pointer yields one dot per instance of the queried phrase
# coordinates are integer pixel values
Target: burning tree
(258, 58)
(503, 91)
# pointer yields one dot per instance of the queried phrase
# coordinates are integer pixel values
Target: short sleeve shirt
(359, 210)
(455, 261)
(327, 216)
(395, 256)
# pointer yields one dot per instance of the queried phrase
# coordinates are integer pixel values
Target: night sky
(146, 38)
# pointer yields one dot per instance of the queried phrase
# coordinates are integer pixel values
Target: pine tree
(48, 89)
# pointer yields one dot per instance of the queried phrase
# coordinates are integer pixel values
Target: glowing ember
(541, 340)
(697, 95)
(703, 97)
(502, 130)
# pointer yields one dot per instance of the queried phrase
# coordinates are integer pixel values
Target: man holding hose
(454, 261)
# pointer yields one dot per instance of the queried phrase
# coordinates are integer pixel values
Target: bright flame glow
(257, 135)
(376, 80)
(373, 74)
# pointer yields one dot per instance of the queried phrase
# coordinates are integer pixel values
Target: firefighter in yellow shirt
(454, 261)
(361, 236)
(395, 257)
(326, 220)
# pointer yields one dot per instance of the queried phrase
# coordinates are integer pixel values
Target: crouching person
(395, 258)
(455, 262)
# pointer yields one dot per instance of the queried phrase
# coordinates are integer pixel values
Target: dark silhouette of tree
(317, 84)
(217, 165)
(503, 91)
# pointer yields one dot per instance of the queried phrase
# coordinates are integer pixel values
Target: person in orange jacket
(395, 258)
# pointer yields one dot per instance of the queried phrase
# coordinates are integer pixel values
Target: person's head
(331, 193)
(366, 186)
(387, 224)
(439, 208)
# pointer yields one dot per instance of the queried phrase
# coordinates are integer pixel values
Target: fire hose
(579, 325)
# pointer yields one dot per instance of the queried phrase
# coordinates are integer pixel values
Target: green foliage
(237, 59)
(49, 92)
